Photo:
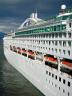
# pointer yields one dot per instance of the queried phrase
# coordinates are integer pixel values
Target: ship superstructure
(42, 52)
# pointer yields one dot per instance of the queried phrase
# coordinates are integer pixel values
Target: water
(12, 83)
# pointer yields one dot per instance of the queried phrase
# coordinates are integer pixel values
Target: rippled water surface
(12, 83)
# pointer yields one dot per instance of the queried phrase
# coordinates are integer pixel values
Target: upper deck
(35, 25)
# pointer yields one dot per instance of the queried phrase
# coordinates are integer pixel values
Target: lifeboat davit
(19, 50)
(10, 47)
(14, 49)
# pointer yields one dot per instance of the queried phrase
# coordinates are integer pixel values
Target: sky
(14, 12)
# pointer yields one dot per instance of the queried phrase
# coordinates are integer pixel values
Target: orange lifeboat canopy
(67, 64)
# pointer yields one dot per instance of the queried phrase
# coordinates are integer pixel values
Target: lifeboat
(31, 54)
(66, 64)
(50, 59)
(23, 50)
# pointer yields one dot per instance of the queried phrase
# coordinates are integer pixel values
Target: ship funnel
(32, 15)
(35, 15)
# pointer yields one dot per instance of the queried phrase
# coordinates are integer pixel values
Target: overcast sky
(14, 12)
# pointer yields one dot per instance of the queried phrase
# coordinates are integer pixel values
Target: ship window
(64, 43)
(49, 35)
(58, 28)
(55, 76)
(60, 50)
(55, 85)
(49, 81)
(63, 27)
(49, 42)
(56, 50)
(52, 75)
(70, 25)
(59, 88)
(69, 35)
(69, 53)
(46, 35)
(46, 42)
(55, 42)
(52, 35)
(47, 29)
(52, 49)
(54, 28)
(60, 42)
(63, 91)
(56, 35)
(69, 43)
(64, 34)
(68, 94)
(69, 84)
(46, 72)
(60, 35)
(52, 83)
(63, 81)
(64, 51)
(49, 74)
(46, 79)
(64, 17)
(49, 49)
(60, 79)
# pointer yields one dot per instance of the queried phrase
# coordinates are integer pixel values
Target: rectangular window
(63, 81)
(49, 74)
(68, 83)
(52, 75)
(46, 72)
(70, 25)
(55, 76)
(60, 79)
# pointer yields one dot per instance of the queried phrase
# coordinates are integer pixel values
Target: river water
(12, 83)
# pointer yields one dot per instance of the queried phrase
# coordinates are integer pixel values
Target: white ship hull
(34, 71)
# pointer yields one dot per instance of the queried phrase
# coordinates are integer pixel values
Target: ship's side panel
(33, 70)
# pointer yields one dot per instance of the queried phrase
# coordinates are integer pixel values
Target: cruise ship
(41, 50)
